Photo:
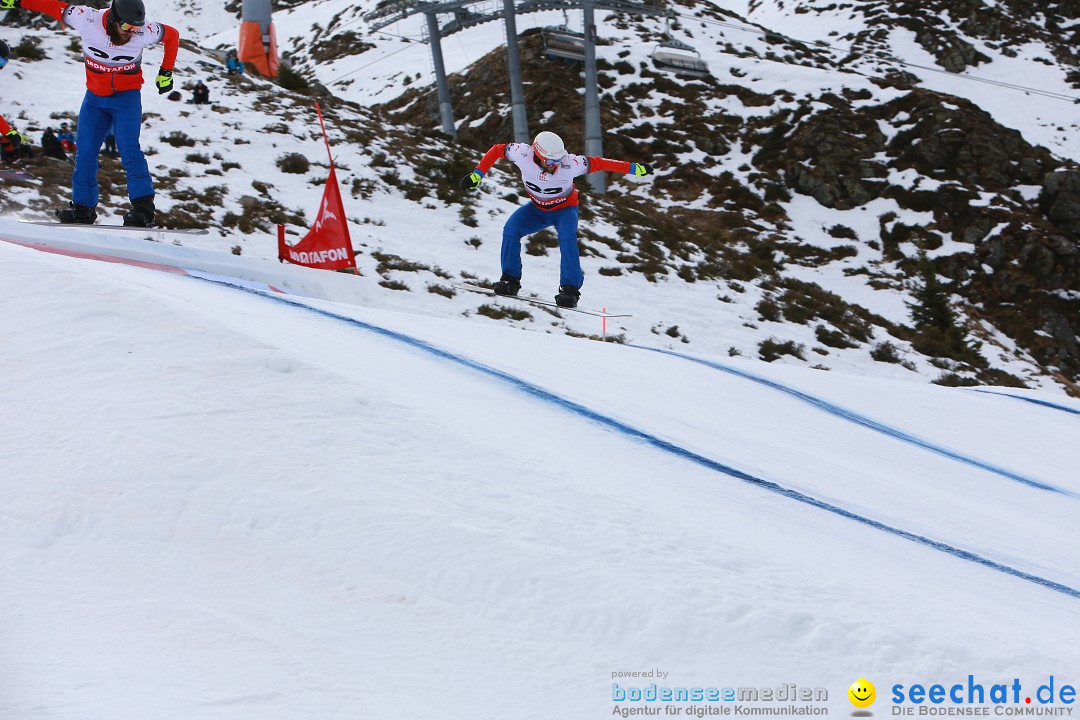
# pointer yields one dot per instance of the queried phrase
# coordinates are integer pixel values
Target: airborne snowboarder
(113, 41)
(548, 172)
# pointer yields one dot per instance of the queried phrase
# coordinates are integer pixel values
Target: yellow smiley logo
(862, 693)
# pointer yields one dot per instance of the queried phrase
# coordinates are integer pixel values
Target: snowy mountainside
(752, 240)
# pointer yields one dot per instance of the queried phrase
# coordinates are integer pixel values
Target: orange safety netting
(252, 49)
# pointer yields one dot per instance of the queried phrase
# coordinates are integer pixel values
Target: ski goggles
(546, 163)
(128, 27)
(3, 62)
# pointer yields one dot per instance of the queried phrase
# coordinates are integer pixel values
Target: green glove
(641, 169)
(8, 4)
(164, 79)
(472, 180)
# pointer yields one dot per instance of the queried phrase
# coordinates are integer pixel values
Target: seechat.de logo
(862, 693)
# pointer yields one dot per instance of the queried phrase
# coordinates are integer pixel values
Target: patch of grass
(539, 243)
(886, 352)
(467, 215)
(414, 191)
(261, 215)
(768, 310)
(955, 380)
(263, 188)
(812, 256)
(294, 163)
(362, 188)
(759, 260)
(292, 80)
(393, 285)
(502, 312)
(29, 48)
(177, 139)
(388, 262)
(342, 45)
(441, 290)
(833, 338)
(993, 376)
(802, 302)
(772, 349)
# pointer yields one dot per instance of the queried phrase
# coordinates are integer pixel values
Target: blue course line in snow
(1044, 403)
(622, 428)
(866, 422)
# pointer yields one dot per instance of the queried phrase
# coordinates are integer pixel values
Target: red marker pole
(325, 138)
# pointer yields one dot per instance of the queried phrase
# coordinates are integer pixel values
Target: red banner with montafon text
(327, 245)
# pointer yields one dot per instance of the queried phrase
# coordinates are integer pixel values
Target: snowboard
(536, 301)
(15, 175)
(128, 228)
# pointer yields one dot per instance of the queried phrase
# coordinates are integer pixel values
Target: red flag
(327, 245)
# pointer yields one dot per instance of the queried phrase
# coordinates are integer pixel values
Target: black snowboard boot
(507, 285)
(81, 214)
(568, 296)
(142, 212)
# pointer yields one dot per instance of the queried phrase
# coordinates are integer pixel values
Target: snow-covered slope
(220, 502)
(221, 166)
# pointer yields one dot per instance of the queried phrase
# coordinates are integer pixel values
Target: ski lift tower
(463, 15)
(466, 13)
(258, 43)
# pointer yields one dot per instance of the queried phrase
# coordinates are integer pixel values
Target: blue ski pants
(528, 219)
(122, 110)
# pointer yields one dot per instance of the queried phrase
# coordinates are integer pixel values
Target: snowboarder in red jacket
(548, 172)
(113, 41)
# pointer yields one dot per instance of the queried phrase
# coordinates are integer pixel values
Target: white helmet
(549, 146)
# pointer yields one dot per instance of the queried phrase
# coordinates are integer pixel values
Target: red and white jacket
(110, 68)
(549, 191)
(4, 127)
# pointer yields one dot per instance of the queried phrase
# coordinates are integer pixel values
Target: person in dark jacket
(50, 145)
(201, 94)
